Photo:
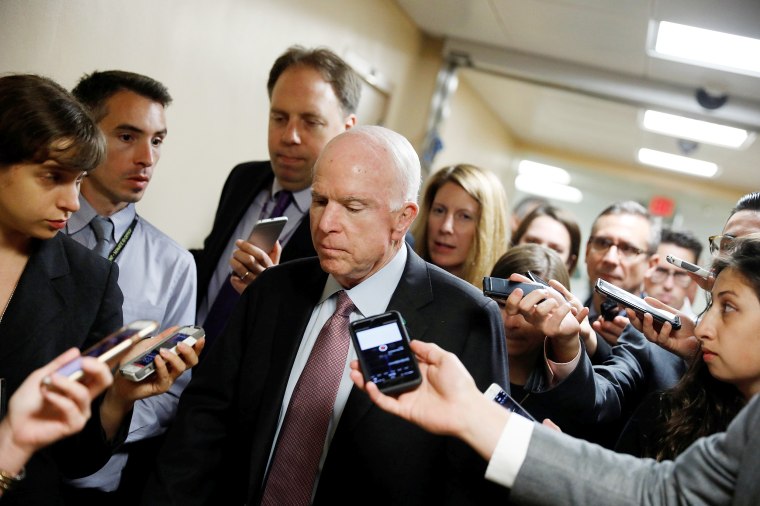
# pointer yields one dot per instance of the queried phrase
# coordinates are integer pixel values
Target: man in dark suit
(313, 97)
(240, 432)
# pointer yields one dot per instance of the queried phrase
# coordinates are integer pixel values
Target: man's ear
(404, 219)
(653, 260)
(350, 121)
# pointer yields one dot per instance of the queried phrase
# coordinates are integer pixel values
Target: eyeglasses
(721, 243)
(602, 244)
(680, 278)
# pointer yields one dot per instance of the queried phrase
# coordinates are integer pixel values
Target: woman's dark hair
(40, 121)
(563, 217)
(544, 262)
(701, 405)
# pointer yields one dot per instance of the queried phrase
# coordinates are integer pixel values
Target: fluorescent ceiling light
(708, 48)
(677, 163)
(542, 171)
(694, 129)
(536, 185)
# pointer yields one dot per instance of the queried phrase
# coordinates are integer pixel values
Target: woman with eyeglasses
(725, 372)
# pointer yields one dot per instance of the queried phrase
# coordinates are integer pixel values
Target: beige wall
(214, 56)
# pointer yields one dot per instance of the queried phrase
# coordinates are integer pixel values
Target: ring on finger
(244, 275)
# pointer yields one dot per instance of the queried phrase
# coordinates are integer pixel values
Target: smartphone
(382, 345)
(111, 348)
(266, 232)
(143, 366)
(688, 266)
(496, 393)
(638, 304)
(498, 288)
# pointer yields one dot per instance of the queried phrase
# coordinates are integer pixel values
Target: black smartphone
(638, 304)
(496, 393)
(382, 346)
(111, 348)
(142, 366)
(498, 288)
(266, 232)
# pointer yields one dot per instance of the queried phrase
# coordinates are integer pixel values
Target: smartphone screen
(383, 349)
(502, 398)
(111, 347)
(148, 358)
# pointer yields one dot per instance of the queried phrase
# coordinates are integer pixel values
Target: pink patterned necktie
(302, 436)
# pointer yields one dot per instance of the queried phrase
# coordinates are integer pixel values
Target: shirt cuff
(558, 371)
(510, 451)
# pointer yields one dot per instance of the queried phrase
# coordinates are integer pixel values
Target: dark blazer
(67, 296)
(227, 417)
(243, 184)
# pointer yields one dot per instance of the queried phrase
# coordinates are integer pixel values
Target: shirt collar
(373, 295)
(301, 198)
(82, 218)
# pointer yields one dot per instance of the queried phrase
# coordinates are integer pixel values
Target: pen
(683, 264)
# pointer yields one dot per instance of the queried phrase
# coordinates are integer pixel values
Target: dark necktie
(299, 447)
(227, 297)
(103, 229)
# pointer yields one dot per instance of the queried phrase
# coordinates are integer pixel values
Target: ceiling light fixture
(677, 163)
(543, 171)
(707, 48)
(695, 130)
(535, 185)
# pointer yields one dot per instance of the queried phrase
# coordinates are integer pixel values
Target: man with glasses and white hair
(620, 250)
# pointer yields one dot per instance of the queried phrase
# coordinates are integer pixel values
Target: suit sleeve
(561, 470)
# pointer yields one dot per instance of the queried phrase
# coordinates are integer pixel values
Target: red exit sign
(661, 206)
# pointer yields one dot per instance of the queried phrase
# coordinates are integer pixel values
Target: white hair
(401, 155)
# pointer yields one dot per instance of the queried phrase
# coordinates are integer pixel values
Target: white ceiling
(604, 37)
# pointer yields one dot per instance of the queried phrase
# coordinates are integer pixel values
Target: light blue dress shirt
(158, 279)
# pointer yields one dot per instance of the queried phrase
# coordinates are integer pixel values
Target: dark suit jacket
(227, 416)
(67, 296)
(243, 184)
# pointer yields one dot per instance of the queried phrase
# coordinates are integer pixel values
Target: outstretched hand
(683, 342)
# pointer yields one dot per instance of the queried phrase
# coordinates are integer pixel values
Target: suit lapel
(413, 292)
(40, 297)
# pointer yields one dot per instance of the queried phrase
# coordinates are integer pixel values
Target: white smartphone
(688, 266)
(143, 366)
(497, 394)
(111, 348)
(266, 232)
(638, 304)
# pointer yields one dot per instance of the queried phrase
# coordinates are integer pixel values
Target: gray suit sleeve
(561, 470)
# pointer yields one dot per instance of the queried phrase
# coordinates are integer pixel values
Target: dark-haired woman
(54, 293)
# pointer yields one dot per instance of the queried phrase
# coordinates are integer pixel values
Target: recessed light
(535, 185)
(677, 163)
(695, 130)
(543, 171)
(707, 48)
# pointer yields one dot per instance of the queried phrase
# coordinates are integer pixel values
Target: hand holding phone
(639, 305)
(382, 346)
(501, 289)
(143, 366)
(111, 348)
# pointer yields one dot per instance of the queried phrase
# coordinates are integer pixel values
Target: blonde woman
(463, 222)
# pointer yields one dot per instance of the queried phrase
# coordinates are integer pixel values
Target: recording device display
(382, 345)
(499, 288)
(496, 393)
(638, 304)
(266, 232)
(111, 348)
(688, 266)
(143, 366)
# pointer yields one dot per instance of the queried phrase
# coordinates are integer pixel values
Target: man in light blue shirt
(157, 276)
